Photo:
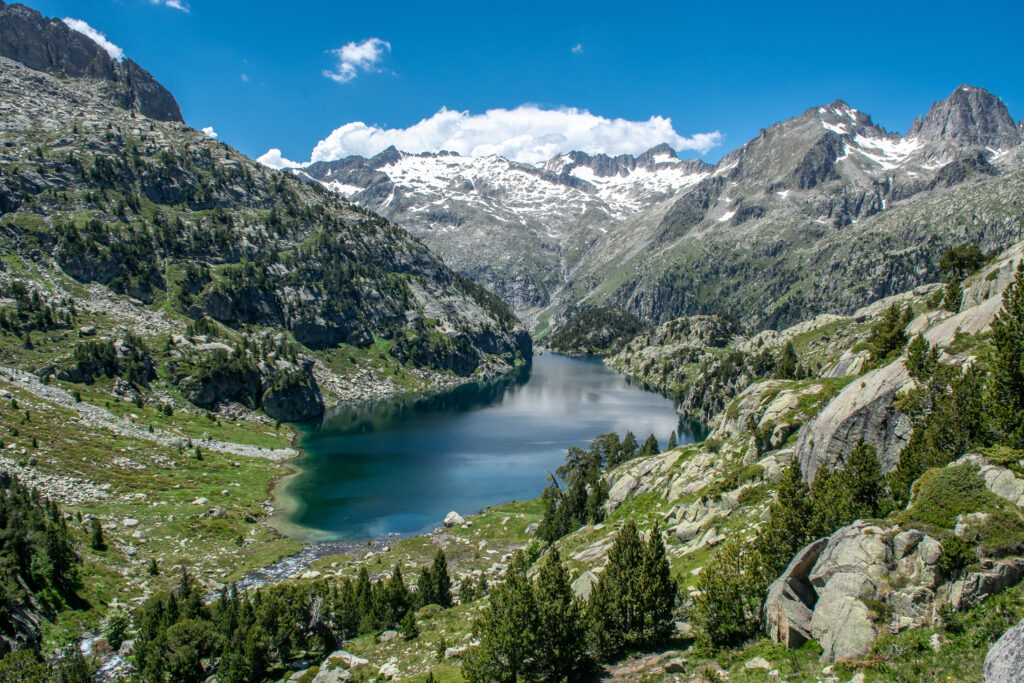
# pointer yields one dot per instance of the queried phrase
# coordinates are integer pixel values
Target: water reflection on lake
(399, 467)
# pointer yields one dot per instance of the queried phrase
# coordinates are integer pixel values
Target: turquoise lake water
(399, 467)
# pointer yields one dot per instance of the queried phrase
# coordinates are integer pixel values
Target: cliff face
(47, 44)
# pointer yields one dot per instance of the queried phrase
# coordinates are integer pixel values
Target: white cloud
(173, 4)
(577, 49)
(527, 133)
(355, 57)
(78, 25)
(210, 132)
(245, 78)
(273, 159)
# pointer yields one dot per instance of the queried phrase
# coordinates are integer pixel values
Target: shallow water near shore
(398, 467)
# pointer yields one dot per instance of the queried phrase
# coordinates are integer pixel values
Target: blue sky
(257, 72)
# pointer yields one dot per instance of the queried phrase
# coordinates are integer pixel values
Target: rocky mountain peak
(969, 116)
(386, 157)
(47, 44)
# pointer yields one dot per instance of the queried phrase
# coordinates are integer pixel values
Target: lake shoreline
(286, 504)
(398, 466)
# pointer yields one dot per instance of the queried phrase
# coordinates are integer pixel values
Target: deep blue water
(399, 467)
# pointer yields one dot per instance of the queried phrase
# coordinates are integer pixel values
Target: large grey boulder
(862, 410)
(858, 549)
(788, 608)
(825, 594)
(1004, 662)
(841, 623)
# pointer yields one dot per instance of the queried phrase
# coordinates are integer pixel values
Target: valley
(291, 425)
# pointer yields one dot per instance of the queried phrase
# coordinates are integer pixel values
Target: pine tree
(786, 369)
(408, 628)
(364, 601)
(671, 441)
(72, 667)
(650, 447)
(659, 588)
(888, 336)
(725, 610)
(1008, 364)
(467, 590)
(922, 359)
(507, 629)
(442, 580)
(632, 602)
(426, 587)
(393, 600)
(96, 541)
(953, 296)
(561, 643)
(865, 483)
(788, 529)
(830, 503)
(629, 447)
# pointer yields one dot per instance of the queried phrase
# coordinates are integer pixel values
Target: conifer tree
(629, 447)
(507, 629)
(789, 527)
(725, 610)
(393, 600)
(632, 602)
(671, 440)
(830, 503)
(442, 579)
(72, 667)
(1008, 364)
(888, 336)
(922, 359)
(426, 587)
(561, 643)
(408, 628)
(659, 588)
(865, 483)
(435, 585)
(786, 368)
(953, 296)
(650, 446)
(96, 541)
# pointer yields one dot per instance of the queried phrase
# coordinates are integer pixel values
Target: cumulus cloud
(274, 159)
(173, 4)
(577, 49)
(210, 132)
(527, 133)
(78, 25)
(355, 57)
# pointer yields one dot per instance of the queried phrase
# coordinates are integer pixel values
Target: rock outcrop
(969, 116)
(862, 410)
(49, 45)
(1004, 662)
(832, 589)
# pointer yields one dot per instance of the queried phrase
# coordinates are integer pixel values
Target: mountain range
(823, 211)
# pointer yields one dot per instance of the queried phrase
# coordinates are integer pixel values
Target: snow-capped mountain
(502, 222)
(662, 237)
